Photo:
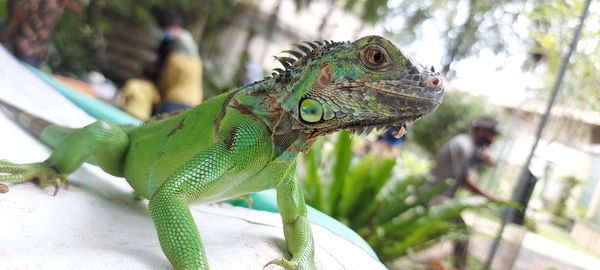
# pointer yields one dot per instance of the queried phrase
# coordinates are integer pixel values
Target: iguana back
(181, 135)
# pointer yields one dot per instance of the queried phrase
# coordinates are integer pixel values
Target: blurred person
(139, 97)
(177, 70)
(457, 161)
(174, 80)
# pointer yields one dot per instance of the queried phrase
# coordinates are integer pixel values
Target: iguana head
(329, 86)
(360, 85)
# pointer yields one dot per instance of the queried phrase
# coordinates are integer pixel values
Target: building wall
(589, 198)
(563, 151)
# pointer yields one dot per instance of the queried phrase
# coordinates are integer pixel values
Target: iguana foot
(291, 265)
(45, 174)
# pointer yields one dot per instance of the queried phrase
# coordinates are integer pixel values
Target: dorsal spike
(320, 43)
(303, 48)
(286, 65)
(312, 45)
(327, 42)
(291, 60)
(285, 61)
(294, 53)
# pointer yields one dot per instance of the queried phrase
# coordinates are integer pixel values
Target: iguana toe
(281, 262)
(44, 174)
(291, 264)
(3, 188)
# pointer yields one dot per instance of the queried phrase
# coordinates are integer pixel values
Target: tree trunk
(325, 19)
(456, 44)
(33, 23)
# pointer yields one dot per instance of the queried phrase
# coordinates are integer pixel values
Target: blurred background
(499, 58)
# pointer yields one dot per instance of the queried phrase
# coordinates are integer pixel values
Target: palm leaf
(342, 158)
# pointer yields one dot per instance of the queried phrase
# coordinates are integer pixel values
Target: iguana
(243, 141)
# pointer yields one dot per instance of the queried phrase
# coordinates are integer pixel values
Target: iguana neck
(261, 100)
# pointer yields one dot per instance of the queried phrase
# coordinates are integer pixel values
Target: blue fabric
(171, 106)
(389, 138)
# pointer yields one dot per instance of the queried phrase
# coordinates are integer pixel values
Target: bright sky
(498, 77)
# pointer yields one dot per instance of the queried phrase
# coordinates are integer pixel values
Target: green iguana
(243, 141)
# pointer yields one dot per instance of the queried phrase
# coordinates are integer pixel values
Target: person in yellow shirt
(179, 73)
(139, 97)
(174, 80)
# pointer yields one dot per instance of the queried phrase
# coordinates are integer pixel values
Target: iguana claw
(3, 188)
(41, 171)
(283, 263)
(290, 265)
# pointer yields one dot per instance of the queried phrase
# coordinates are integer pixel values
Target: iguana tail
(49, 133)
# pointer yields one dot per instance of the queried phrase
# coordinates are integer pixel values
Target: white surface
(96, 223)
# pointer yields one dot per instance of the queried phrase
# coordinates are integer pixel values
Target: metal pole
(522, 184)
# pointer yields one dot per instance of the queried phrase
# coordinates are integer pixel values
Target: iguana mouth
(425, 87)
(398, 128)
(421, 87)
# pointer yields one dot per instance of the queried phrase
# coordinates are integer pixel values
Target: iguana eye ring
(374, 57)
(311, 110)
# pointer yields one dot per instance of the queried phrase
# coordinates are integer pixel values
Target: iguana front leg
(177, 231)
(298, 235)
(210, 174)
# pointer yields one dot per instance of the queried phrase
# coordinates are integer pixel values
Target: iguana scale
(243, 141)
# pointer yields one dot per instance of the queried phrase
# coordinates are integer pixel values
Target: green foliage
(312, 181)
(392, 214)
(465, 27)
(559, 211)
(468, 27)
(74, 45)
(343, 154)
(555, 23)
(3, 13)
(420, 227)
(370, 11)
(454, 116)
(80, 36)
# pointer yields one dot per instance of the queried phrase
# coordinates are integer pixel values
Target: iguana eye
(311, 110)
(374, 57)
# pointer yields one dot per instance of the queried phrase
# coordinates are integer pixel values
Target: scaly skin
(244, 141)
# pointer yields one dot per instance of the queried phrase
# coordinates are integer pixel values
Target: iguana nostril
(433, 81)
